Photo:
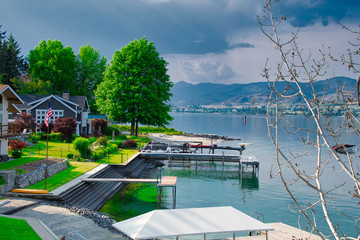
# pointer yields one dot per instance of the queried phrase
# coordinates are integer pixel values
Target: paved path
(60, 221)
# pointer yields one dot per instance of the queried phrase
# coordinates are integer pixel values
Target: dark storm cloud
(308, 12)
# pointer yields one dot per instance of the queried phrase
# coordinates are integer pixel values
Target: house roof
(190, 221)
(31, 99)
(11, 96)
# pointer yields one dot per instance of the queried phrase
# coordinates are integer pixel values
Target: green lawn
(75, 170)
(56, 149)
(18, 162)
(119, 157)
(11, 228)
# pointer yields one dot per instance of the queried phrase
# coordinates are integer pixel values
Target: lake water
(212, 185)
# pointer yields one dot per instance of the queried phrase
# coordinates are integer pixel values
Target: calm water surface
(211, 185)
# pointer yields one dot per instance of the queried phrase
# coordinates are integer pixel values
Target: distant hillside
(209, 93)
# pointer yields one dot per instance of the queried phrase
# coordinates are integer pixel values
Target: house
(62, 106)
(7, 99)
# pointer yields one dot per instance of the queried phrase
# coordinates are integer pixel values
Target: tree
(90, 69)
(52, 64)
(12, 64)
(26, 121)
(99, 126)
(136, 87)
(66, 126)
(293, 69)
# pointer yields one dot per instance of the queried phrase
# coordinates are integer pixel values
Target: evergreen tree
(12, 64)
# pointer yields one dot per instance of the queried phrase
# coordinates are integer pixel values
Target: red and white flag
(48, 115)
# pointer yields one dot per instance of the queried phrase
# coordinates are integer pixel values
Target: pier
(161, 182)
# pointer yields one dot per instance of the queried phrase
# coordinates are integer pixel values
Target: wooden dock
(161, 182)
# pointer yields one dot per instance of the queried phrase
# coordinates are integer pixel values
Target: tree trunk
(132, 127)
(137, 127)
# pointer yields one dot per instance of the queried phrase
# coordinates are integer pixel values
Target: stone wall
(27, 179)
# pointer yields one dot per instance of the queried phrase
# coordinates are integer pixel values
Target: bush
(70, 156)
(55, 137)
(111, 148)
(92, 139)
(103, 141)
(119, 143)
(34, 138)
(112, 128)
(66, 126)
(129, 144)
(16, 153)
(99, 126)
(17, 145)
(123, 137)
(82, 145)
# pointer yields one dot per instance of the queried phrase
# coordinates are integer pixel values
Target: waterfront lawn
(119, 157)
(56, 149)
(11, 228)
(73, 171)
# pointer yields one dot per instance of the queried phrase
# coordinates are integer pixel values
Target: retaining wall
(27, 179)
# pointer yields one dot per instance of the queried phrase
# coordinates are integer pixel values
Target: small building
(62, 106)
(8, 97)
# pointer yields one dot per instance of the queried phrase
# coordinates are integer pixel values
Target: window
(41, 115)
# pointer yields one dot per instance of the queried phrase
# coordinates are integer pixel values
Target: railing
(10, 130)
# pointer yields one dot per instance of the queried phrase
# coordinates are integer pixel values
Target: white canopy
(190, 221)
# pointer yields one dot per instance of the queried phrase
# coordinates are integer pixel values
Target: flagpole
(47, 155)
(48, 115)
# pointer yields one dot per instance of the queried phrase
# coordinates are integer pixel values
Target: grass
(11, 228)
(119, 157)
(18, 162)
(75, 170)
(56, 149)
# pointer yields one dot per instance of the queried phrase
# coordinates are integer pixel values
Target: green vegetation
(18, 162)
(134, 200)
(75, 170)
(140, 87)
(11, 228)
(149, 129)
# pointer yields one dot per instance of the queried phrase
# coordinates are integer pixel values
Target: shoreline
(205, 139)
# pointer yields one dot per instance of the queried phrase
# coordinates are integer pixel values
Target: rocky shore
(211, 136)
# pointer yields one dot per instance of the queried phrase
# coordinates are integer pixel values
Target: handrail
(10, 130)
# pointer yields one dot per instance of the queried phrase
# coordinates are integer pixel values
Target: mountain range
(236, 94)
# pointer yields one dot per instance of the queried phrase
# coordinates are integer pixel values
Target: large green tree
(52, 64)
(12, 64)
(90, 69)
(136, 87)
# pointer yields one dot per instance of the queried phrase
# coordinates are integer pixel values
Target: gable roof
(32, 100)
(11, 96)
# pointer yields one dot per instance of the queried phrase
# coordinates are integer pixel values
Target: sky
(216, 41)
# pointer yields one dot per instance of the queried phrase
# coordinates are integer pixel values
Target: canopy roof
(190, 221)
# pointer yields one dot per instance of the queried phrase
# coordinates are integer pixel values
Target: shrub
(16, 153)
(17, 144)
(70, 156)
(129, 144)
(99, 126)
(34, 138)
(43, 127)
(112, 128)
(111, 148)
(92, 139)
(103, 141)
(82, 145)
(123, 137)
(119, 143)
(56, 137)
(66, 126)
